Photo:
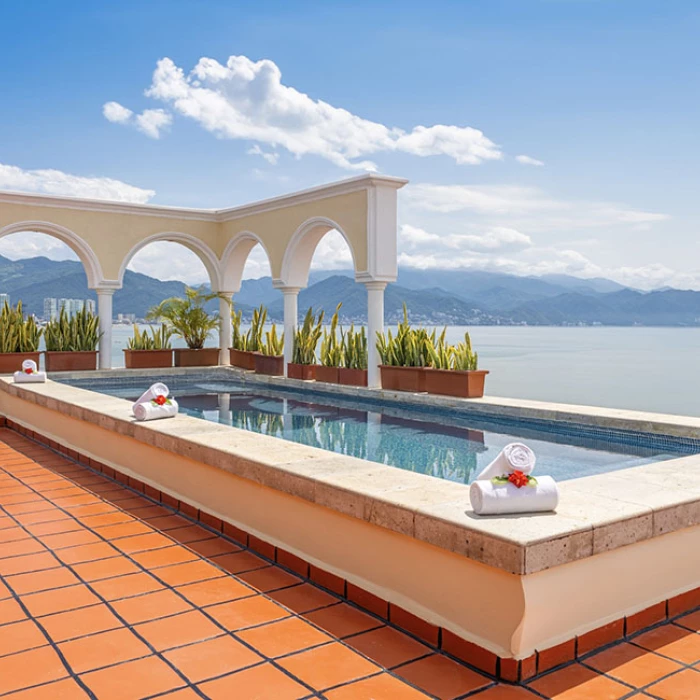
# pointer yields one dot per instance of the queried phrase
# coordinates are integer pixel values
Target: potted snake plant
(331, 353)
(454, 369)
(303, 364)
(145, 350)
(71, 342)
(19, 338)
(269, 359)
(244, 346)
(353, 371)
(188, 319)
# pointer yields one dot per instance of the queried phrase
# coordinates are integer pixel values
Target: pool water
(437, 441)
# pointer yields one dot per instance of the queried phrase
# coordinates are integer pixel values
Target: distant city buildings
(126, 318)
(4, 298)
(53, 306)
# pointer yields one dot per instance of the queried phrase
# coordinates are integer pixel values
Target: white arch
(201, 249)
(300, 250)
(234, 258)
(87, 257)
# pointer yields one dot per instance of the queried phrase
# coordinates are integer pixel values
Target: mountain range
(453, 297)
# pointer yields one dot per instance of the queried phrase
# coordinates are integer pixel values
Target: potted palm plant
(149, 350)
(269, 360)
(331, 353)
(71, 342)
(353, 371)
(454, 369)
(19, 338)
(303, 364)
(245, 346)
(188, 319)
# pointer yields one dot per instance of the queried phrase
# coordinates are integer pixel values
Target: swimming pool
(432, 440)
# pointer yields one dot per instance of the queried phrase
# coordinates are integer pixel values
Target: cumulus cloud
(150, 122)
(246, 100)
(271, 158)
(496, 238)
(527, 160)
(60, 183)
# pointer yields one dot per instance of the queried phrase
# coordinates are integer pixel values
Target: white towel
(513, 457)
(488, 498)
(151, 411)
(29, 377)
(157, 389)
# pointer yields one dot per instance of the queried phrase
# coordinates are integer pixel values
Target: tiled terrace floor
(105, 594)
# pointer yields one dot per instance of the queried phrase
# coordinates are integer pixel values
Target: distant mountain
(456, 297)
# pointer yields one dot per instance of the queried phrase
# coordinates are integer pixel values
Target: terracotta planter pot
(205, 357)
(448, 382)
(403, 378)
(11, 362)
(297, 371)
(327, 374)
(144, 359)
(71, 361)
(243, 359)
(352, 377)
(269, 364)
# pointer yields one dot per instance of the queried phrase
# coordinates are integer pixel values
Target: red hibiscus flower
(29, 370)
(160, 400)
(518, 479)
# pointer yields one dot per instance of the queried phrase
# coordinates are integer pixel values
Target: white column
(291, 295)
(225, 409)
(104, 311)
(375, 324)
(225, 328)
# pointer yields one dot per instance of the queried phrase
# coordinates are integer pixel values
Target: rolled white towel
(488, 498)
(513, 457)
(157, 389)
(29, 374)
(152, 411)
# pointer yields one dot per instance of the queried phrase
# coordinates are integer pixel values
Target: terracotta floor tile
(381, 687)
(675, 642)
(246, 612)
(20, 636)
(239, 562)
(12, 534)
(262, 682)
(44, 516)
(215, 590)
(67, 689)
(178, 630)
(342, 620)
(167, 556)
(105, 568)
(150, 606)
(128, 529)
(42, 580)
(142, 543)
(578, 683)
(70, 502)
(31, 507)
(442, 677)
(55, 527)
(30, 668)
(680, 686)
(150, 511)
(27, 563)
(303, 598)
(59, 600)
(328, 666)
(630, 664)
(691, 621)
(179, 574)
(184, 694)
(506, 692)
(168, 522)
(10, 611)
(70, 539)
(95, 509)
(101, 519)
(126, 586)
(388, 647)
(4, 591)
(270, 578)
(215, 546)
(87, 552)
(212, 658)
(79, 623)
(191, 533)
(284, 637)
(17, 548)
(103, 649)
(133, 680)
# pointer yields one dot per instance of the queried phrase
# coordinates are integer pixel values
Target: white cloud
(271, 158)
(150, 122)
(527, 160)
(29, 244)
(496, 238)
(60, 183)
(247, 100)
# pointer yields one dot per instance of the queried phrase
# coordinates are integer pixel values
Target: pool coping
(596, 513)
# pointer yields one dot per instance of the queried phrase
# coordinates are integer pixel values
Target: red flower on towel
(160, 400)
(29, 370)
(518, 479)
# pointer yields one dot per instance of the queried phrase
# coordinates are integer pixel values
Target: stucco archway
(234, 258)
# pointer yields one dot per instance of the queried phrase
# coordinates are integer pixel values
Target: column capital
(289, 291)
(102, 291)
(376, 285)
(108, 287)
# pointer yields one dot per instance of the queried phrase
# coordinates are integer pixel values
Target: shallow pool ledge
(619, 543)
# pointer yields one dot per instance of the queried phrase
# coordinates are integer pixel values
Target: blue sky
(604, 93)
